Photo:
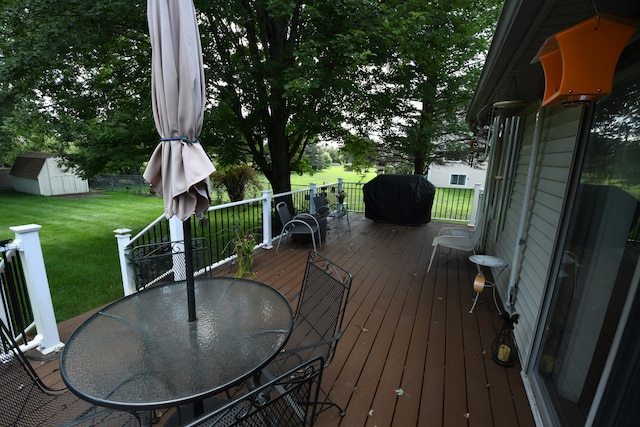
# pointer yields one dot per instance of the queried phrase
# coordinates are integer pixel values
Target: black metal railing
(14, 294)
(221, 224)
(452, 204)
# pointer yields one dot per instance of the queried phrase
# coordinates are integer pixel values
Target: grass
(331, 174)
(78, 243)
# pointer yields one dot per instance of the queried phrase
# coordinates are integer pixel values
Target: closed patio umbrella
(179, 168)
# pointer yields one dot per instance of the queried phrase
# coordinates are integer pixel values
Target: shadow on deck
(411, 353)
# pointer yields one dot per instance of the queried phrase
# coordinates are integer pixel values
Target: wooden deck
(411, 353)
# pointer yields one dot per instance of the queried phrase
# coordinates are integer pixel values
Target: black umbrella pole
(188, 259)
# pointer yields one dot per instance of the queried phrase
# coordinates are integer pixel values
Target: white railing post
(28, 243)
(123, 236)
(478, 193)
(176, 230)
(267, 225)
(312, 194)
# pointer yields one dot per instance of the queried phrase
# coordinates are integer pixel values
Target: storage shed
(41, 174)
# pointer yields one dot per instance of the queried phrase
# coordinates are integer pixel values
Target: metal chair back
(289, 400)
(283, 213)
(26, 401)
(321, 205)
(322, 301)
(301, 224)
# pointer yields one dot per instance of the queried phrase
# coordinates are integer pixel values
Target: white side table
(491, 262)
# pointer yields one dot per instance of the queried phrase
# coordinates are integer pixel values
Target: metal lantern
(503, 349)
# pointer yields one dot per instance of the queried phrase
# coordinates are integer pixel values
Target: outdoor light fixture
(479, 283)
(579, 62)
(503, 348)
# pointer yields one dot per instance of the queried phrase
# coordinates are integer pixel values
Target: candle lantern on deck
(503, 349)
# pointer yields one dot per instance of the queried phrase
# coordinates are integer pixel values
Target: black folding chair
(286, 401)
(318, 319)
(26, 401)
(302, 224)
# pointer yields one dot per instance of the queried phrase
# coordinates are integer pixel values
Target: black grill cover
(399, 199)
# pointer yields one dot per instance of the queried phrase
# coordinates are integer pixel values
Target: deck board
(404, 329)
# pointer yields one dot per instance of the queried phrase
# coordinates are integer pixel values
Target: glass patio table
(141, 352)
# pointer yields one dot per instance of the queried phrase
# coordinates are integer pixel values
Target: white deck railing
(27, 245)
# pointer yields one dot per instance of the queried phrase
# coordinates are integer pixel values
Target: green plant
(243, 243)
(244, 248)
(236, 180)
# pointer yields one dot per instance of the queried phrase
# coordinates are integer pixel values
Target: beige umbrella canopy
(179, 168)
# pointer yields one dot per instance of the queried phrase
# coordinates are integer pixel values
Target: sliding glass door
(597, 266)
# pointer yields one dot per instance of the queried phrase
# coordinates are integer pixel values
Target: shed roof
(29, 165)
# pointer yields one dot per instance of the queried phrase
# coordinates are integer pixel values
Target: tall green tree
(74, 78)
(281, 76)
(431, 77)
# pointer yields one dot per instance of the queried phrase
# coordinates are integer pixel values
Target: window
(458, 179)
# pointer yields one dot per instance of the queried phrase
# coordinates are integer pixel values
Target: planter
(244, 253)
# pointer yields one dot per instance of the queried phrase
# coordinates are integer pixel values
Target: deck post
(313, 189)
(267, 226)
(123, 236)
(478, 193)
(27, 240)
(176, 231)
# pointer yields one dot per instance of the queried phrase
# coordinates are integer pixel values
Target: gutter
(516, 263)
(517, 26)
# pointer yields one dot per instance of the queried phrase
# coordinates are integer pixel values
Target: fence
(154, 253)
(160, 246)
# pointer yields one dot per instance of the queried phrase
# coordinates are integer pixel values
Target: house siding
(555, 154)
(440, 175)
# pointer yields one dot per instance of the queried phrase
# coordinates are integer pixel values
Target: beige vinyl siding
(559, 135)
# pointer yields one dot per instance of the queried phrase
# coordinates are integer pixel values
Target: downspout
(516, 264)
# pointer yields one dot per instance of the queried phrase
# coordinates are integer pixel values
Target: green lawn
(331, 174)
(78, 243)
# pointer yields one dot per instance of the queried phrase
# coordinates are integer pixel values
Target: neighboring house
(41, 174)
(562, 208)
(457, 174)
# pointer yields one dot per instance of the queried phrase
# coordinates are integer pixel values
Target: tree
(75, 79)
(281, 76)
(282, 73)
(236, 180)
(431, 77)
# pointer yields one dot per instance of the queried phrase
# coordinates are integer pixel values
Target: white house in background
(457, 174)
(41, 174)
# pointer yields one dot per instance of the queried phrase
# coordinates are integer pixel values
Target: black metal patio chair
(302, 224)
(288, 400)
(317, 325)
(26, 401)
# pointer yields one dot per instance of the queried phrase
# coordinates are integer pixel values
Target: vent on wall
(579, 62)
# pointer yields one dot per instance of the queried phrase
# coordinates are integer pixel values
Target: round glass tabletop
(141, 352)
